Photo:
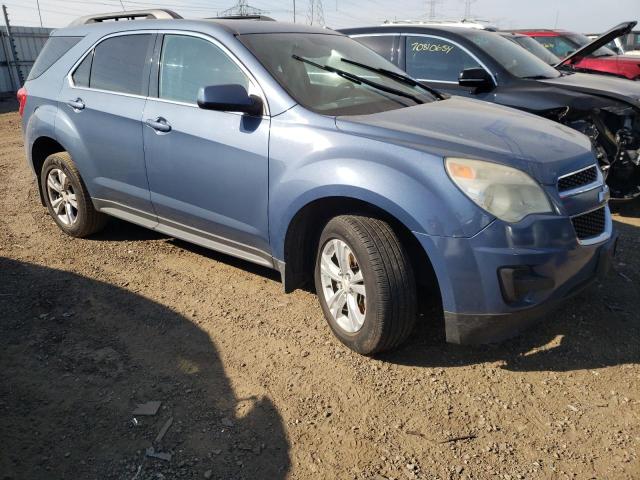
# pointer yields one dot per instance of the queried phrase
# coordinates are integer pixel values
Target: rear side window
(436, 59)
(119, 64)
(52, 51)
(381, 44)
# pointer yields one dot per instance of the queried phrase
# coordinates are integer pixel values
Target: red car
(581, 54)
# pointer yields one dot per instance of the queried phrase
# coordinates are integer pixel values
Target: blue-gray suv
(300, 149)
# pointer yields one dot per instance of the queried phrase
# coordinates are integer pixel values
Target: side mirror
(477, 78)
(229, 98)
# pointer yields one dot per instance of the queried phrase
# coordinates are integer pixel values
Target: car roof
(229, 26)
(407, 28)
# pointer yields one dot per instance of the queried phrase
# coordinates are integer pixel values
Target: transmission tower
(432, 4)
(467, 8)
(316, 13)
(241, 9)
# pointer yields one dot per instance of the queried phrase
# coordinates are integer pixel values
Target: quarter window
(119, 64)
(82, 73)
(53, 51)
(430, 58)
(190, 63)
(381, 44)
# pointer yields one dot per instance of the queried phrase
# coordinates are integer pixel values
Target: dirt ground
(257, 386)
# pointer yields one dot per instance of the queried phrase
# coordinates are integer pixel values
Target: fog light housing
(518, 282)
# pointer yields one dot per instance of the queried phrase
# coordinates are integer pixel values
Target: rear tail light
(22, 100)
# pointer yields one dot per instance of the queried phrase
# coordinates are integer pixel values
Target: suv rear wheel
(365, 284)
(67, 198)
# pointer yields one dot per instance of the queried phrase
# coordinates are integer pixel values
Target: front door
(208, 170)
(437, 62)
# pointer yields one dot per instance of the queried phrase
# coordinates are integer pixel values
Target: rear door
(208, 170)
(103, 101)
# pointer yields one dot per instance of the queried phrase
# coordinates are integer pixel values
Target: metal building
(28, 42)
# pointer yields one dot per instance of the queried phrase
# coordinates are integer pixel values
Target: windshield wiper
(397, 76)
(359, 80)
(537, 77)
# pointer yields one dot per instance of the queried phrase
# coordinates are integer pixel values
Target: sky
(587, 16)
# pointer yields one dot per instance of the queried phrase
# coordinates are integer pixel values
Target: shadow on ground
(77, 355)
(600, 327)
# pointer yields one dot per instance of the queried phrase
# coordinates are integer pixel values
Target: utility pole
(12, 49)
(39, 13)
(294, 11)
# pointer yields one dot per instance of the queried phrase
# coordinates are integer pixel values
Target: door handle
(159, 124)
(76, 104)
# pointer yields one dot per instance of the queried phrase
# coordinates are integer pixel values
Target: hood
(601, 41)
(475, 129)
(602, 85)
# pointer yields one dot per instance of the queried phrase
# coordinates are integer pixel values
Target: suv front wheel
(365, 284)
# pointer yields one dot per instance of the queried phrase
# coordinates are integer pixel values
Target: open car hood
(601, 41)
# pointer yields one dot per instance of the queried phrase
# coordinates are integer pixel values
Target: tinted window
(431, 58)
(516, 60)
(81, 75)
(119, 64)
(52, 51)
(189, 63)
(558, 45)
(381, 44)
(287, 56)
(538, 50)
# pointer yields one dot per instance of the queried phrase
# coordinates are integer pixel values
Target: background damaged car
(485, 65)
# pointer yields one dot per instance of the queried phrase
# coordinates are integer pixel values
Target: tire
(67, 199)
(376, 264)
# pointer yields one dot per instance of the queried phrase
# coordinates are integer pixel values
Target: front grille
(578, 179)
(590, 224)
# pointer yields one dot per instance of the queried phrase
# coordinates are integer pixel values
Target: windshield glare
(515, 59)
(327, 92)
(538, 50)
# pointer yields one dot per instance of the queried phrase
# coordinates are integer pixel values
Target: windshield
(516, 60)
(582, 40)
(290, 58)
(538, 50)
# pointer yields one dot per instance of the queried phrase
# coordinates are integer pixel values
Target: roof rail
(261, 18)
(155, 14)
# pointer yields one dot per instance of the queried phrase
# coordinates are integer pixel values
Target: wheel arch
(303, 233)
(41, 148)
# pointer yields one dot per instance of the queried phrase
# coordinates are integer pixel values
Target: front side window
(119, 64)
(436, 59)
(305, 66)
(190, 63)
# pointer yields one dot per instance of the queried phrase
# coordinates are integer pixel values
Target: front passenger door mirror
(477, 78)
(229, 98)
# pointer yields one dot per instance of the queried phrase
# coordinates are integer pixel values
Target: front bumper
(479, 302)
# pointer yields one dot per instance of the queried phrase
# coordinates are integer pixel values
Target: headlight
(505, 192)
